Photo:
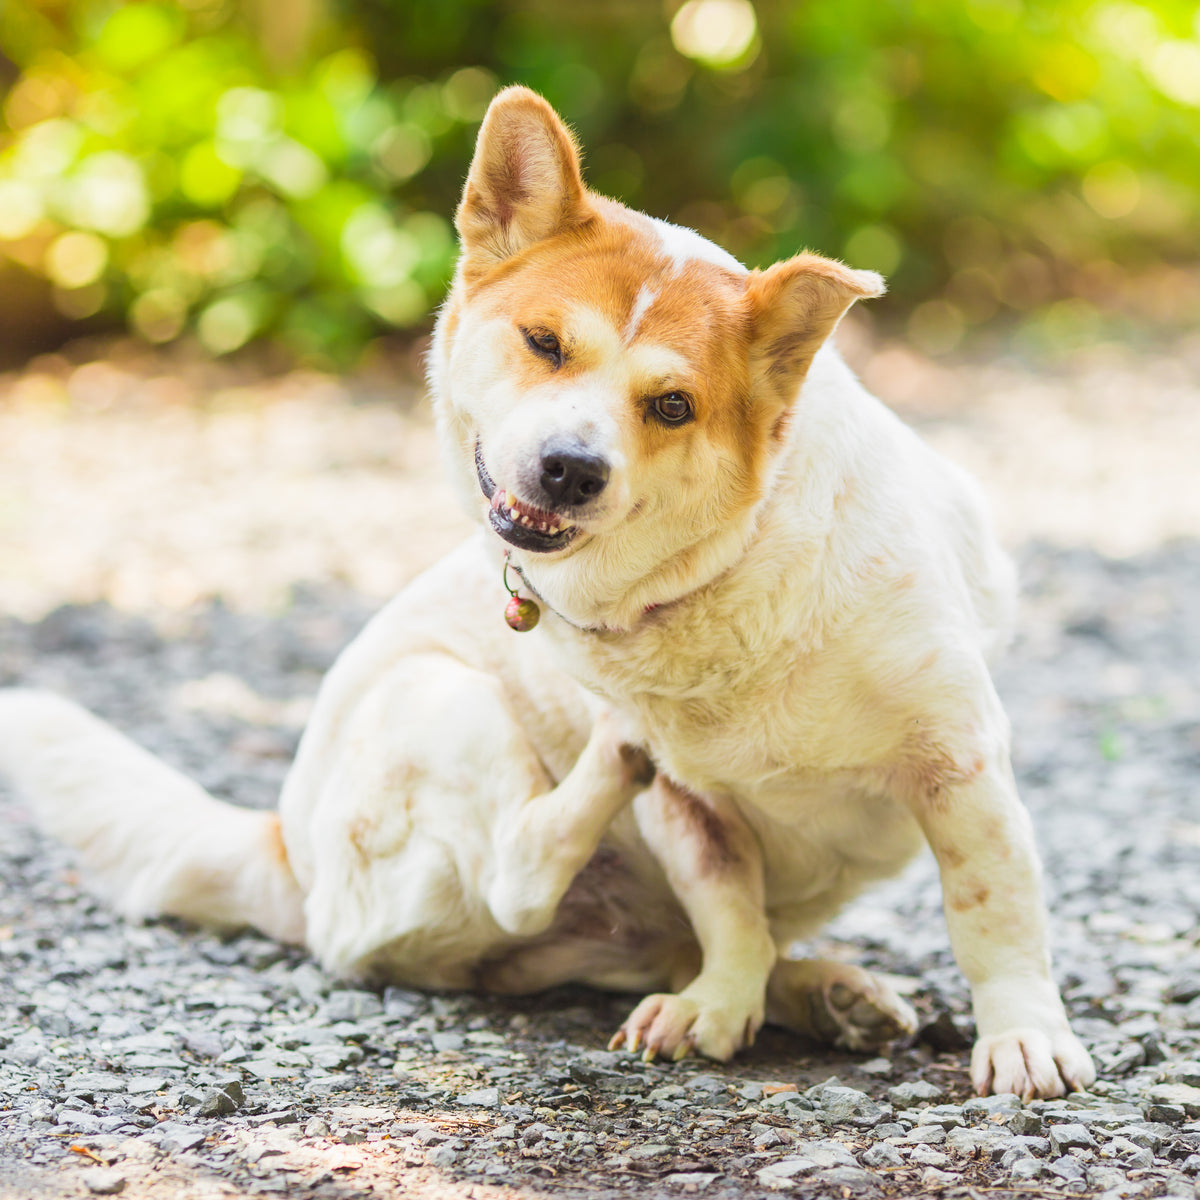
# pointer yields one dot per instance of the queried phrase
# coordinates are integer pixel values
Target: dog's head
(613, 389)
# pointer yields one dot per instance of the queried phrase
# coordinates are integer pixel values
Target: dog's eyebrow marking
(645, 298)
(681, 245)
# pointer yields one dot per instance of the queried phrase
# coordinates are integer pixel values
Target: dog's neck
(571, 598)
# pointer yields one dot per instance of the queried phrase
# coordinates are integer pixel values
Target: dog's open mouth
(518, 523)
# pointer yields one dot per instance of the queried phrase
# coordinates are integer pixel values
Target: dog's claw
(635, 1043)
(649, 1054)
(682, 1050)
(617, 1040)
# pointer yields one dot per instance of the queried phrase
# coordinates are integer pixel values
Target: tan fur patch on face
(621, 307)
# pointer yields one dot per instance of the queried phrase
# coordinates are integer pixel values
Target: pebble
(101, 1181)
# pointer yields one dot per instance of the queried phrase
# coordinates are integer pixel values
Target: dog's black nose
(571, 477)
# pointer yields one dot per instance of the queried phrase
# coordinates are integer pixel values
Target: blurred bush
(230, 173)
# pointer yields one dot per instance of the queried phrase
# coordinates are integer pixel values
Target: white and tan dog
(746, 567)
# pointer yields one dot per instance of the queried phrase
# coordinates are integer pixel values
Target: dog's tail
(151, 841)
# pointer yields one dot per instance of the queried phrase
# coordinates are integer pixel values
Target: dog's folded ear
(793, 307)
(524, 184)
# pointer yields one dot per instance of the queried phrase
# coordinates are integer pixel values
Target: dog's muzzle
(529, 527)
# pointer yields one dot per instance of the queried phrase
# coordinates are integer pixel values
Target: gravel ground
(159, 1061)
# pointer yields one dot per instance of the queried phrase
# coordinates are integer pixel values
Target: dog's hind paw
(667, 1026)
(838, 1003)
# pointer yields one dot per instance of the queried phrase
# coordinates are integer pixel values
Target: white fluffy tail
(151, 841)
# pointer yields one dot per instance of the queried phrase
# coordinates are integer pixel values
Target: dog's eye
(673, 407)
(544, 343)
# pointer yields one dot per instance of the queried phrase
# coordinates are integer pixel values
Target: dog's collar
(522, 614)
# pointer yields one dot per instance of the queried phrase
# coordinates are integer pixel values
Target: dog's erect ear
(524, 184)
(793, 308)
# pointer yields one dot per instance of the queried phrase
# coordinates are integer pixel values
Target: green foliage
(996, 158)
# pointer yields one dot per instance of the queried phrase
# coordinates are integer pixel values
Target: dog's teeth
(510, 500)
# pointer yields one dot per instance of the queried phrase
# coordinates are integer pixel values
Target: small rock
(906, 1095)
(479, 1098)
(442, 1157)
(881, 1156)
(848, 1106)
(1166, 1114)
(104, 1182)
(824, 1152)
(927, 1156)
(1026, 1168)
(215, 1103)
(649, 1150)
(351, 1005)
(1068, 1168)
(929, 1135)
(316, 1127)
(690, 1181)
(1064, 1137)
(1181, 1095)
(1024, 1122)
(400, 1003)
(1135, 1156)
(204, 1044)
(934, 1180)
(989, 1106)
(779, 1175)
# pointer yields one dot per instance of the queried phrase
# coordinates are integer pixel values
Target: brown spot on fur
(717, 849)
(976, 895)
(638, 766)
(359, 833)
(951, 856)
(933, 770)
(275, 843)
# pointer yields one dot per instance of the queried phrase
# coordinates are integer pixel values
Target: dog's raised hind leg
(551, 836)
(714, 865)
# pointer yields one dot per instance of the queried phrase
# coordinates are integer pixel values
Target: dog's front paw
(673, 1027)
(1031, 1063)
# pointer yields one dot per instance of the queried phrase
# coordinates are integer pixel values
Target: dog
(758, 682)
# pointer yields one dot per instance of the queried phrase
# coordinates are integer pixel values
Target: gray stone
(649, 1150)
(881, 1156)
(691, 1181)
(1065, 1137)
(104, 1181)
(1181, 1095)
(927, 1156)
(918, 1091)
(1166, 1114)
(848, 1106)
(779, 1175)
(825, 1152)
(215, 1103)
(1024, 1122)
(442, 1157)
(930, 1135)
(1187, 1072)
(351, 1005)
(1026, 1168)
(990, 1105)
(1068, 1168)
(479, 1098)
(849, 1181)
